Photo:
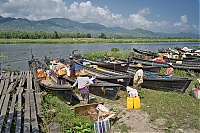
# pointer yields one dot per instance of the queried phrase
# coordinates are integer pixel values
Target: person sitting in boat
(168, 55)
(159, 58)
(138, 77)
(83, 82)
(146, 57)
(180, 54)
(169, 70)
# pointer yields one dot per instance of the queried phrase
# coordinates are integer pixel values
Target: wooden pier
(20, 102)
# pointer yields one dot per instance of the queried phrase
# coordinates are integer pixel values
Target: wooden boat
(155, 69)
(149, 53)
(51, 83)
(164, 64)
(164, 83)
(105, 89)
(118, 66)
(115, 78)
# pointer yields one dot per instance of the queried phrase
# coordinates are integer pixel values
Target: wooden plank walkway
(20, 103)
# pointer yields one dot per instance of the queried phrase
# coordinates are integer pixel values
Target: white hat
(170, 64)
(139, 65)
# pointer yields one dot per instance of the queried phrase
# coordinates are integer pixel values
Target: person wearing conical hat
(138, 77)
(169, 70)
(83, 82)
(159, 58)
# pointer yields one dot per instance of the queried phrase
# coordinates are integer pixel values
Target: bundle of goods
(41, 74)
(61, 71)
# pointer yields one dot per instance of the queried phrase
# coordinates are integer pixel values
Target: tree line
(57, 35)
(40, 35)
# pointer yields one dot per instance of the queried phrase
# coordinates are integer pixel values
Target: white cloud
(139, 20)
(85, 12)
(144, 11)
(184, 19)
(182, 26)
(33, 9)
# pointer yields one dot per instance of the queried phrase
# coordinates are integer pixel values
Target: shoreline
(91, 40)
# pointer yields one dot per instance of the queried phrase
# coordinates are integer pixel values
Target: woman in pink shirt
(169, 70)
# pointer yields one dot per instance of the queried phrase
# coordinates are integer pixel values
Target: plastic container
(129, 102)
(136, 102)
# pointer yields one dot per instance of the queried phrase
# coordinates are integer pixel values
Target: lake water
(18, 54)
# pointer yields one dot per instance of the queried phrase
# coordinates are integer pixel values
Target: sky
(169, 16)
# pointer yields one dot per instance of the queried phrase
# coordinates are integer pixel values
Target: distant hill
(69, 26)
(180, 34)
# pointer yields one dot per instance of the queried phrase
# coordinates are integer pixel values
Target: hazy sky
(169, 16)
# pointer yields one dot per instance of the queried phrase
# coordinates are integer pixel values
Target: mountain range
(69, 26)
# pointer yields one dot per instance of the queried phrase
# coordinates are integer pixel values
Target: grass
(91, 40)
(179, 110)
(59, 112)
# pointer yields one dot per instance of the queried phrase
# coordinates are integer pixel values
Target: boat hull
(179, 86)
(105, 90)
(165, 65)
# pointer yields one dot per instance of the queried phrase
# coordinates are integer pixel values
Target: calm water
(18, 54)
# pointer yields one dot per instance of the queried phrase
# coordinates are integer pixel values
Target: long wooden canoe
(118, 66)
(164, 64)
(162, 82)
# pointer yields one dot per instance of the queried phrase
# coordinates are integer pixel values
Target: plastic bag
(102, 126)
(132, 92)
(102, 108)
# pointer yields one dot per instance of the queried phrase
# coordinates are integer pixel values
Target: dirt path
(129, 120)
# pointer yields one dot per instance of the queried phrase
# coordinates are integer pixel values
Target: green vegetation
(92, 40)
(177, 110)
(2, 56)
(115, 52)
(57, 111)
(40, 35)
(197, 47)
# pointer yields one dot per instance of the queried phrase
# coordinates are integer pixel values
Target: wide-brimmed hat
(82, 72)
(170, 64)
(139, 65)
